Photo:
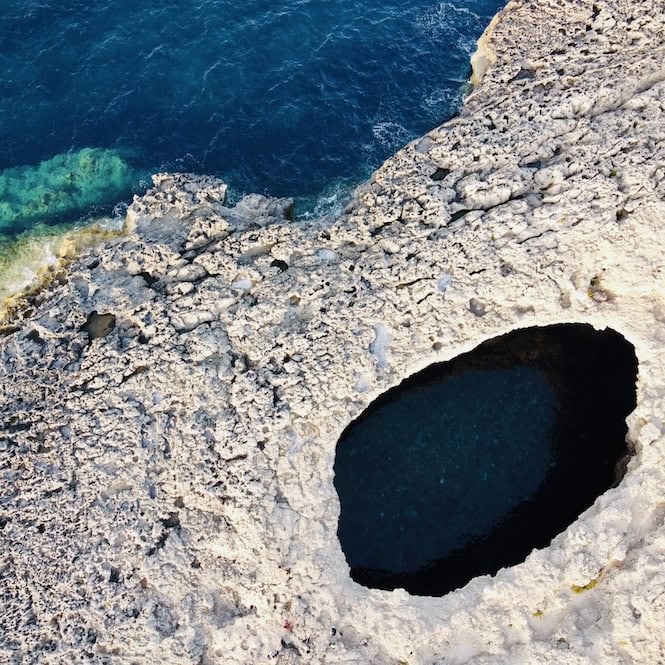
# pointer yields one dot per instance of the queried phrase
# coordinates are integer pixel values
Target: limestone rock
(167, 488)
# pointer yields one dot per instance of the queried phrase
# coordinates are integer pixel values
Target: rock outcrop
(170, 408)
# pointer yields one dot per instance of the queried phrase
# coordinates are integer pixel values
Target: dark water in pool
(446, 471)
(467, 466)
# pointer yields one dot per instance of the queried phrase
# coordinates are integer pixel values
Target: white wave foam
(23, 258)
(443, 99)
(391, 135)
(330, 202)
(451, 23)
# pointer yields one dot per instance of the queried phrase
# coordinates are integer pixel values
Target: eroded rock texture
(167, 488)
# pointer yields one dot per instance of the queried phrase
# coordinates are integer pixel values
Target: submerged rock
(240, 354)
(66, 184)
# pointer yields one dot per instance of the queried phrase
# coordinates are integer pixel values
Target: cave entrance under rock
(467, 466)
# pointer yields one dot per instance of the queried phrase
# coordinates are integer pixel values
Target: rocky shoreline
(171, 404)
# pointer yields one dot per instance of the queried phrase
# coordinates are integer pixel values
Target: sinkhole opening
(467, 466)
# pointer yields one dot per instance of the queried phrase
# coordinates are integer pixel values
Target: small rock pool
(468, 465)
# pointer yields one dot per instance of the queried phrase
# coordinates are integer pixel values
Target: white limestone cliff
(166, 485)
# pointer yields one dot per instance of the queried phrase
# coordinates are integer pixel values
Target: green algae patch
(587, 587)
(63, 185)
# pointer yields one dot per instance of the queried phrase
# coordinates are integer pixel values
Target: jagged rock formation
(171, 407)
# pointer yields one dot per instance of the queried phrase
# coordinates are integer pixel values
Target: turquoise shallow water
(300, 98)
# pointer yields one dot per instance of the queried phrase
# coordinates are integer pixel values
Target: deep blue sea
(299, 98)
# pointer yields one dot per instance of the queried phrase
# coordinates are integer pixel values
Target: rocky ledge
(172, 403)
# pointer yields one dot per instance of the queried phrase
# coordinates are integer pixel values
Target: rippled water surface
(299, 97)
(440, 464)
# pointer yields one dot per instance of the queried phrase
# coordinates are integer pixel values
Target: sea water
(449, 460)
(300, 98)
(469, 465)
